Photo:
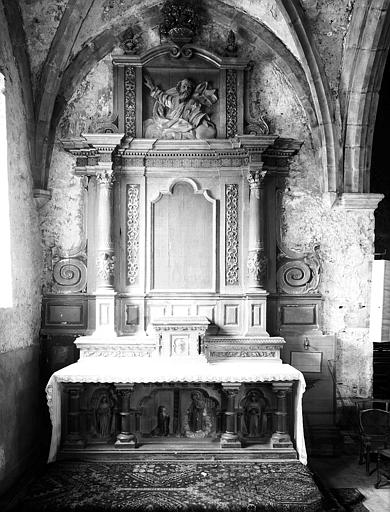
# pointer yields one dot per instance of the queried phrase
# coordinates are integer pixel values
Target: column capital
(106, 177)
(231, 388)
(124, 389)
(282, 386)
(256, 176)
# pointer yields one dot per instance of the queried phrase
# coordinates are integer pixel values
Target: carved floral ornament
(182, 20)
(105, 264)
(256, 178)
(257, 266)
(231, 237)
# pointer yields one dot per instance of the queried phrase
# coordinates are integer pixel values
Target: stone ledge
(358, 201)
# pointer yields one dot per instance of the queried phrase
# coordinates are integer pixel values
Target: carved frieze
(231, 103)
(231, 234)
(133, 226)
(130, 101)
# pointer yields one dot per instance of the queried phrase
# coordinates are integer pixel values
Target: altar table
(150, 370)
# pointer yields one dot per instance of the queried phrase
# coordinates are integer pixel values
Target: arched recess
(366, 52)
(325, 111)
(263, 38)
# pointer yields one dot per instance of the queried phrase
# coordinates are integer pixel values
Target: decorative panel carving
(132, 314)
(130, 100)
(133, 226)
(298, 272)
(256, 315)
(69, 275)
(231, 234)
(231, 314)
(231, 103)
(299, 314)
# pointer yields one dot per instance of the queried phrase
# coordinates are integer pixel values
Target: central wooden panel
(183, 227)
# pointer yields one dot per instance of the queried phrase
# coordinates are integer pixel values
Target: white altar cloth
(157, 370)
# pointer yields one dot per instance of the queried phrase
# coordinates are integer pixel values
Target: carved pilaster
(257, 261)
(231, 235)
(125, 439)
(130, 101)
(231, 103)
(229, 438)
(133, 227)
(281, 437)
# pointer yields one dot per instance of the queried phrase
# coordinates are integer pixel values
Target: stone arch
(366, 52)
(305, 87)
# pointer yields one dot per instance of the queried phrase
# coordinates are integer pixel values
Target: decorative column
(229, 438)
(257, 262)
(125, 439)
(105, 258)
(73, 436)
(281, 437)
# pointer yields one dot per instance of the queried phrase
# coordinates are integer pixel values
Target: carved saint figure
(103, 416)
(179, 112)
(162, 428)
(254, 419)
(197, 412)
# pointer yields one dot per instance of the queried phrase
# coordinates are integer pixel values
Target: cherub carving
(179, 112)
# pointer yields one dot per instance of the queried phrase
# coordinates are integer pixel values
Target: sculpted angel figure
(179, 112)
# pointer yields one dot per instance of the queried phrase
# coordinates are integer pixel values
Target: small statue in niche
(254, 418)
(103, 416)
(179, 112)
(198, 422)
(163, 418)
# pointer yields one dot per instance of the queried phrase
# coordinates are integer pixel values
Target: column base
(280, 440)
(230, 441)
(125, 441)
(74, 441)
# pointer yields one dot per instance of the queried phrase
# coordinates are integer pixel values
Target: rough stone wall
(19, 324)
(345, 237)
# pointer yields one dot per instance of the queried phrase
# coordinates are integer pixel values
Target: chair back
(374, 422)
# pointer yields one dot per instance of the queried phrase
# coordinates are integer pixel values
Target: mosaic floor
(174, 486)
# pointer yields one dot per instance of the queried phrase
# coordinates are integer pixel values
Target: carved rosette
(231, 103)
(69, 276)
(130, 101)
(105, 265)
(231, 234)
(257, 267)
(133, 226)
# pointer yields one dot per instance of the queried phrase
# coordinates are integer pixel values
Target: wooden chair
(374, 431)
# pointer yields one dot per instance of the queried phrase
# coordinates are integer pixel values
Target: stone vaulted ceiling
(56, 42)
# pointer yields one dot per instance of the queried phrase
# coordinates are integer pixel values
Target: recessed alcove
(183, 239)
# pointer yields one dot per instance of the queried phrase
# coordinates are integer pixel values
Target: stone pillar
(73, 436)
(257, 262)
(281, 437)
(229, 438)
(125, 439)
(105, 258)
